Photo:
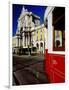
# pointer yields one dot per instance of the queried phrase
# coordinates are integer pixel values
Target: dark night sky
(38, 10)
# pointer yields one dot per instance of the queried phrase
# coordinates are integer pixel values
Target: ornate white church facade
(29, 33)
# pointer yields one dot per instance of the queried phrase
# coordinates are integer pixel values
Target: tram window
(59, 29)
(58, 38)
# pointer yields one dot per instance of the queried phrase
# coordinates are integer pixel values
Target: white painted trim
(47, 11)
(57, 52)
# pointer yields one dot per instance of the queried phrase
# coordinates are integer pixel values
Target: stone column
(19, 42)
(26, 40)
(23, 40)
(17, 45)
(39, 47)
(16, 41)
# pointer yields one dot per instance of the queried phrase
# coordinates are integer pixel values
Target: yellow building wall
(38, 35)
(41, 31)
(43, 34)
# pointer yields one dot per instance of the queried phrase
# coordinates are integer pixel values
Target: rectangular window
(59, 29)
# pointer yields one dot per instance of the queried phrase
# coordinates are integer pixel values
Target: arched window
(41, 44)
(37, 45)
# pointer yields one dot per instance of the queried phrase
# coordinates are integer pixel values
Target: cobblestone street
(28, 70)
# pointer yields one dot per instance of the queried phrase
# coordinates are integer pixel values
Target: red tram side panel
(55, 67)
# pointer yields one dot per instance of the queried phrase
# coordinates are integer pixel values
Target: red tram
(54, 19)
